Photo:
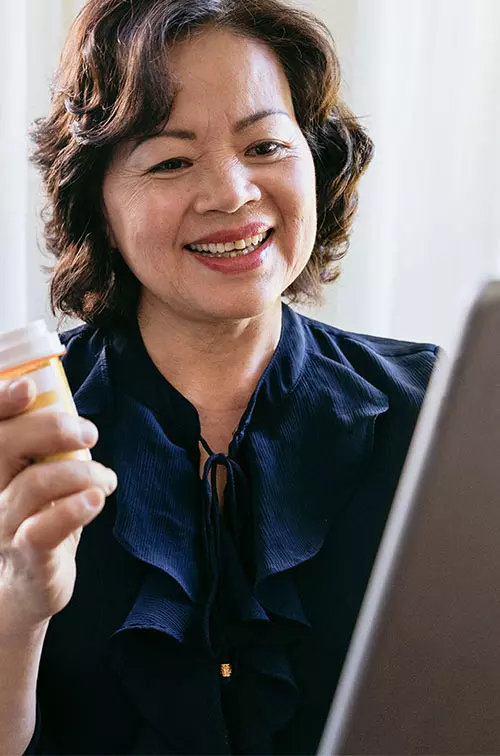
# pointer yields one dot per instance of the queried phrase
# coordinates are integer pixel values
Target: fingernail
(20, 390)
(111, 481)
(88, 431)
(91, 500)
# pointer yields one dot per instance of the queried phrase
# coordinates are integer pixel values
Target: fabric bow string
(213, 521)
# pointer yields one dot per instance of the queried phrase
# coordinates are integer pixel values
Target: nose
(226, 188)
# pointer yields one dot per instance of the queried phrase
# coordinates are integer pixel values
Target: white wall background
(424, 76)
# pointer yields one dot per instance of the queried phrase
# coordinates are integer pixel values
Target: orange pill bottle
(35, 352)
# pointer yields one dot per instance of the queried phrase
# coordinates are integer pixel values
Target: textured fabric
(168, 590)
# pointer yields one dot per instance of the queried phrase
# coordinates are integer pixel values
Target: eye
(267, 149)
(170, 166)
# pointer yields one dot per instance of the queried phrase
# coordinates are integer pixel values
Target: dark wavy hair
(111, 85)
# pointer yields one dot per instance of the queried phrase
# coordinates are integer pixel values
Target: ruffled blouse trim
(161, 523)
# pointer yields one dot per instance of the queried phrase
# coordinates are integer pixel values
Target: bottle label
(54, 395)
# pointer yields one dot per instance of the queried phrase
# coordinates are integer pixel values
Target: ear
(111, 237)
(107, 227)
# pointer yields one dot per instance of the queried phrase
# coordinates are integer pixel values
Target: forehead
(226, 70)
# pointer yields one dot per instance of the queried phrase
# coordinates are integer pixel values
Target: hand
(43, 507)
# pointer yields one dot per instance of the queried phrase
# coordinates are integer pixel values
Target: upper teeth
(252, 241)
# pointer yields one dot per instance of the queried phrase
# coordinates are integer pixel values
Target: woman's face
(232, 169)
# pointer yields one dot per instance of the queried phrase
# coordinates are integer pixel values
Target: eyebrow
(244, 123)
(239, 126)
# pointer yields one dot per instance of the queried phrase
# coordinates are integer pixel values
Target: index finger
(16, 396)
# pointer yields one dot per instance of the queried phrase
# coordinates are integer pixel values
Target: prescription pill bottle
(35, 352)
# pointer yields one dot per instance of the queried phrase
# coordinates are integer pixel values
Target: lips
(243, 247)
(238, 262)
(232, 235)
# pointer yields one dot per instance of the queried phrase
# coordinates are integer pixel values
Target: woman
(199, 165)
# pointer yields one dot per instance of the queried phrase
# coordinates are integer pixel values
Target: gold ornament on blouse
(226, 670)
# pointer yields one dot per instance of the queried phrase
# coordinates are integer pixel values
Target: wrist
(23, 636)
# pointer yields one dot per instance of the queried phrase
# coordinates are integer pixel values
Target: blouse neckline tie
(213, 522)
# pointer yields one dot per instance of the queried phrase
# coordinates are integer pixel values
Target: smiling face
(232, 168)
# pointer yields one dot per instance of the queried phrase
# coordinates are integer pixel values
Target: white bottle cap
(33, 342)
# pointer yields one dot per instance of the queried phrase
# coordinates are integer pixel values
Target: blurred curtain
(13, 173)
(423, 75)
(31, 37)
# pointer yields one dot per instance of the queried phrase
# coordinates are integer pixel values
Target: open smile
(238, 248)
(234, 261)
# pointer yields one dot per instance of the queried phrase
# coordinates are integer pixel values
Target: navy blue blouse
(196, 632)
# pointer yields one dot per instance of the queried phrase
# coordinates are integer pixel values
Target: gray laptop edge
(422, 675)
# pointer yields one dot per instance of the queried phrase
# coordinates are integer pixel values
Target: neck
(216, 365)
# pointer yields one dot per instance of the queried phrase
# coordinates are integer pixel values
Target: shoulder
(397, 368)
(84, 346)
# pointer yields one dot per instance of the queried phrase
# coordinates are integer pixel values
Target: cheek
(298, 201)
(150, 221)
(308, 188)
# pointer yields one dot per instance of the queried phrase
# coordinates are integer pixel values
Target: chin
(237, 309)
